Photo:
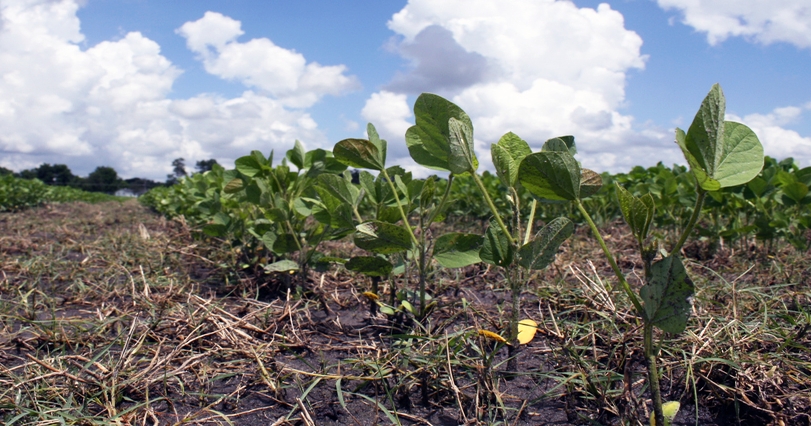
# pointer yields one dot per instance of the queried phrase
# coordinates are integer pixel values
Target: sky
(135, 84)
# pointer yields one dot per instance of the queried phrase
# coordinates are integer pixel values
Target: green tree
(57, 174)
(205, 165)
(4, 171)
(103, 179)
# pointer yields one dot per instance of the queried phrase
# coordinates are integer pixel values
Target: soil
(131, 319)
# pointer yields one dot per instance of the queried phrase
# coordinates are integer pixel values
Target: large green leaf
(540, 252)
(340, 187)
(362, 153)
(371, 266)
(461, 158)
(496, 247)
(507, 154)
(382, 237)
(667, 295)
(560, 143)
(721, 154)
(638, 212)
(796, 193)
(248, 165)
(742, 156)
(552, 175)
(457, 250)
(428, 140)
(590, 183)
(296, 155)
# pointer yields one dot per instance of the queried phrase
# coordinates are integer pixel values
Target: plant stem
(444, 199)
(492, 207)
(653, 374)
(701, 193)
(400, 207)
(530, 221)
(625, 286)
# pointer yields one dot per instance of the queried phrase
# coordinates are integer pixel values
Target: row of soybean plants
(290, 212)
(18, 194)
(774, 208)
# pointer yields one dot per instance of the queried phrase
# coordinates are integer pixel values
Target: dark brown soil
(112, 314)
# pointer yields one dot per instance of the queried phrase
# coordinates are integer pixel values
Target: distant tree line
(104, 179)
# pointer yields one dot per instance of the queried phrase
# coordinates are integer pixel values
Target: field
(112, 314)
(332, 288)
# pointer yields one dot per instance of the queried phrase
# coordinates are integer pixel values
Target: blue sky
(133, 84)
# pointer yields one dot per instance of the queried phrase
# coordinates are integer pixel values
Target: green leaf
(507, 154)
(637, 212)
(561, 143)
(285, 243)
(382, 237)
(362, 153)
(741, 158)
(457, 250)
(282, 266)
(233, 186)
(248, 165)
(496, 247)
(428, 140)
(704, 180)
(461, 158)
(590, 183)
(296, 155)
(721, 154)
(339, 187)
(541, 251)
(552, 175)
(796, 192)
(371, 266)
(705, 136)
(667, 295)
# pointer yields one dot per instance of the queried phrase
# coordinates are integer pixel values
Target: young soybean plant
(442, 138)
(720, 154)
(385, 237)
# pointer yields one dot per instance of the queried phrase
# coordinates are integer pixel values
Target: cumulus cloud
(109, 104)
(259, 63)
(778, 141)
(763, 21)
(439, 63)
(537, 68)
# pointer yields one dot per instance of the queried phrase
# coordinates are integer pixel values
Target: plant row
(281, 214)
(17, 194)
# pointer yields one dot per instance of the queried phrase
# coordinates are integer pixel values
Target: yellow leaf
(669, 410)
(371, 295)
(490, 335)
(526, 331)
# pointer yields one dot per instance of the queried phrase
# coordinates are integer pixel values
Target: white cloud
(778, 141)
(109, 104)
(545, 68)
(259, 63)
(389, 112)
(763, 21)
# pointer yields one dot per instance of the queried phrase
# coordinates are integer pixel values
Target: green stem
(625, 286)
(444, 199)
(530, 221)
(693, 219)
(653, 374)
(400, 207)
(492, 207)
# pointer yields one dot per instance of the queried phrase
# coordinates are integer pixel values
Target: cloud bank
(765, 22)
(537, 68)
(110, 104)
